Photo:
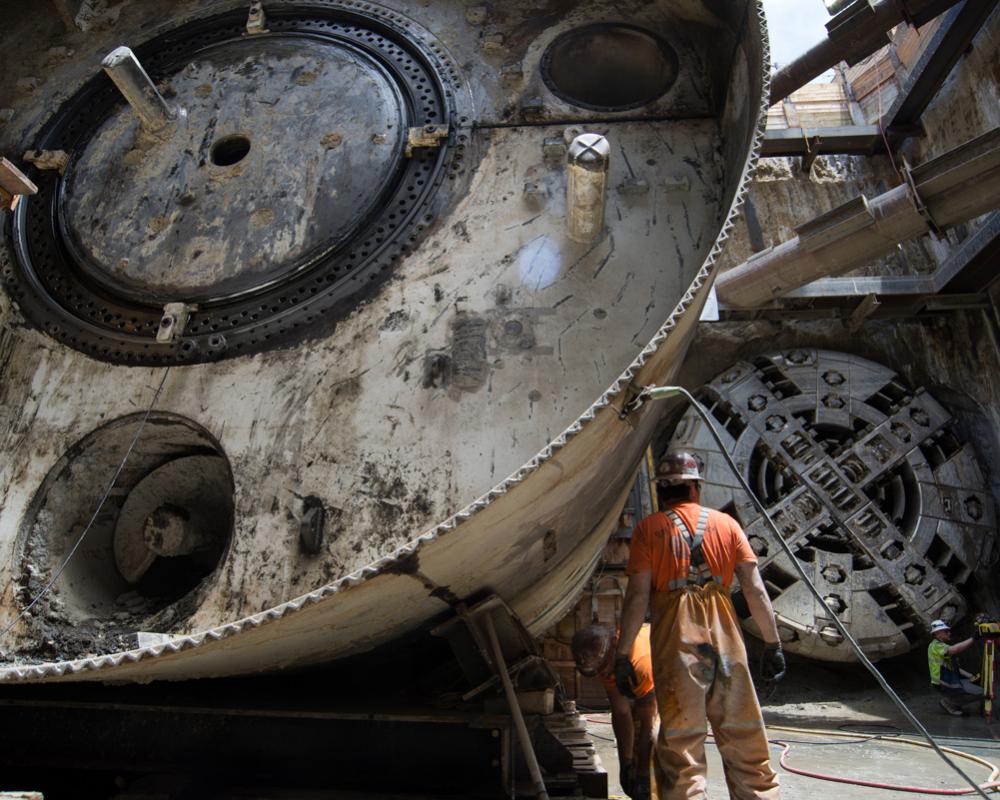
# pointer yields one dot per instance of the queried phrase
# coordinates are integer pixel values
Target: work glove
(772, 663)
(625, 678)
(625, 776)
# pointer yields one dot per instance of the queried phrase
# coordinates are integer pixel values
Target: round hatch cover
(281, 195)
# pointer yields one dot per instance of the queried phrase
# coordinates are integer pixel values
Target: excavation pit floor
(837, 721)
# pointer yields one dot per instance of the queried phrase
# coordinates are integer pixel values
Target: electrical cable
(994, 769)
(922, 790)
(893, 730)
(991, 782)
(661, 392)
(107, 492)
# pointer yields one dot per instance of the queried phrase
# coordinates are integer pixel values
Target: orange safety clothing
(642, 662)
(700, 665)
(701, 674)
(658, 547)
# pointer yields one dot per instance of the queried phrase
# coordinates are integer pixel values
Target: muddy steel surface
(348, 267)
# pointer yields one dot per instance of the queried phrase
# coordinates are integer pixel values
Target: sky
(795, 26)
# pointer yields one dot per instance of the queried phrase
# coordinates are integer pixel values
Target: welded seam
(185, 642)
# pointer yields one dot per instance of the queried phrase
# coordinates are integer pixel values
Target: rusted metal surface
(478, 360)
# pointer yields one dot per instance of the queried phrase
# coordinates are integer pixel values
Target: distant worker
(682, 562)
(946, 676)
(632, 716)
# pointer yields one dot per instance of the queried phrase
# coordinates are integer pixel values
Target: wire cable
(107, 492)
(666, 391)
(921, 790)
(785, 743)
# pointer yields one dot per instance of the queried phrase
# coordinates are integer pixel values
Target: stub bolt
(138, 89)
(588, 158)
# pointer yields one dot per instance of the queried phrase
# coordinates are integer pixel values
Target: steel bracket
(256, 18)
(918, 203)
(174, 320)
(426, 136)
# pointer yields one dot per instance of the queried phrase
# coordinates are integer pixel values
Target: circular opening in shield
(230, 150)
(161, 531)
(609, 67)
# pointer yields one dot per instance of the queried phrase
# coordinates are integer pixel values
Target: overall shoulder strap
(699, 572)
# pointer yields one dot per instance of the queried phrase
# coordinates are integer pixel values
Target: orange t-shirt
(659, 548)
(642, 662)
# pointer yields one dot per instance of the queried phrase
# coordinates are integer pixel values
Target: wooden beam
(13, 184)
(15, 181)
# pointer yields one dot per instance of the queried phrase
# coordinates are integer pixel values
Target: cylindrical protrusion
(168, 532)
(132, 81)
(586, 186)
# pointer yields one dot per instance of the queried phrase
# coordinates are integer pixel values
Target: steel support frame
(854, 33)
(859, 140)
(949, 42)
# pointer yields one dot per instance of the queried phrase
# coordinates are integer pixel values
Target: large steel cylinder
(332, 333)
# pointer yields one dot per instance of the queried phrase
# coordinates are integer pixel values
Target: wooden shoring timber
(13, 184)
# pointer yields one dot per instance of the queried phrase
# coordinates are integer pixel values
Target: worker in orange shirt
(682, 563)
(632, 714)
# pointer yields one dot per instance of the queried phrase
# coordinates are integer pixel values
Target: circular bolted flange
(200, 214)
(887, 510)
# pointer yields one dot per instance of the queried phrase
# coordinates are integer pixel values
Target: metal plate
(157, 219)
(97, 279)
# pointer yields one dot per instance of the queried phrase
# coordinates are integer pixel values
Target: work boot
(955, 711)
(640, 788)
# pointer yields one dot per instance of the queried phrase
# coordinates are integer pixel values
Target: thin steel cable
(107, 492)
(706, 417)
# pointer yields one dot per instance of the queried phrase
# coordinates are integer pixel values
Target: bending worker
(682, 563)
(632, 716)
(946, 676)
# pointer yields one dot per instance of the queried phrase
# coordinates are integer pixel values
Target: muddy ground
(838, 699)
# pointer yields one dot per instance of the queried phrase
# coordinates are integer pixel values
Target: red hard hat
(676, 467)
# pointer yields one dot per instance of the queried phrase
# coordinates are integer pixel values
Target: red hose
(786, 748)
(874, 784)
